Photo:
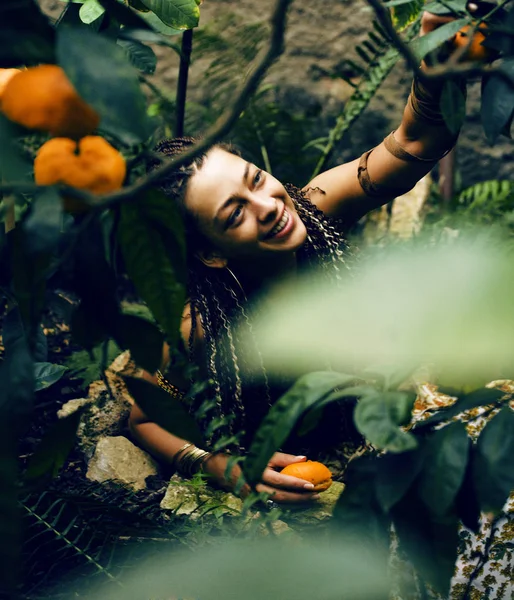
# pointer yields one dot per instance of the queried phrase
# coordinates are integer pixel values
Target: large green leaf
(421, 46)
(466, 503)
(13, 166)
(103, 76)
(447, 7)
(26, 36)
(378, 417)
(453, 105)
(494, 465)
(429, 541)
(164, 409)
(154, 270)
(44, 222)
(405, 13)
(90, 11)
(179, 14)
(142, 338)
(46, 374)
(395, 475)
(497, 105)
(54, 448)
(444, 468)
(140, 55)
(285, 413)
(358, 519)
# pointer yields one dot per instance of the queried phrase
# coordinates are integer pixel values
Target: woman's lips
(286, 227)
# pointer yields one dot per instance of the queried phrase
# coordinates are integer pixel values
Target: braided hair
(241, 397)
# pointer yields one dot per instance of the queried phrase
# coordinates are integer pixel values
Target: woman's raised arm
(393, 167)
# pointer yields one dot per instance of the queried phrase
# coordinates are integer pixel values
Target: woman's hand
(282, 488)
(429, 21)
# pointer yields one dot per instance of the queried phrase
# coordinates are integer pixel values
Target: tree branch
(223, 125)
(442, 71)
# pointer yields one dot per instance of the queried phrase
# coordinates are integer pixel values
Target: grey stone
(193, 499)
(321, 510)
(116, 458)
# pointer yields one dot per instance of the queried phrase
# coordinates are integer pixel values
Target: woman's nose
(266, 208)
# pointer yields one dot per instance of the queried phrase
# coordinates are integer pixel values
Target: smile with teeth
(280, 225)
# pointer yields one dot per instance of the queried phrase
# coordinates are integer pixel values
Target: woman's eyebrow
(232, 199)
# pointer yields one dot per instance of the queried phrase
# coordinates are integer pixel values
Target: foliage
(104, 46)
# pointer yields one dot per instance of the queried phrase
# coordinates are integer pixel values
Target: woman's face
(243, 211)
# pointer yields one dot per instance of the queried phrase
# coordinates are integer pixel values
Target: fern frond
(493, 195)
(378, 66)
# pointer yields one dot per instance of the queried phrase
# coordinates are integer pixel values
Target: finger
(280, 459)
(285, 481)
(472, 7)
(283, 496)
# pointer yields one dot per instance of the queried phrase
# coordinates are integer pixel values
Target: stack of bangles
(189, 459)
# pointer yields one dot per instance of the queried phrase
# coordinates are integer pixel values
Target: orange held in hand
(90, 164)
(475, 51)
(44, 98)
(312, 471)
(5, 76)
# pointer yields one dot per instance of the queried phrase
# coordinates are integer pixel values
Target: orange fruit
(312, 471)
(90, 164)
(44, 98)
(476, 51)
(5, 76)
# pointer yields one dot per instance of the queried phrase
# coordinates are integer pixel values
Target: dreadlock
(241, 397)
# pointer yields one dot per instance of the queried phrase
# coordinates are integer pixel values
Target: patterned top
(485, 565)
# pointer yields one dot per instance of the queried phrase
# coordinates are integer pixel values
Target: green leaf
(494, 465)
(429, 541)
(453, 106)
(179, 14)
(164, 409)
(447, 8)
(87, 367)
(358, 519)
(90, 11)
(480, 397)
(153, 21)
(378, 417)
(421, 46)
(466, 503)
(395, 475)
(26, 36)
(157, 271)
(141, 56)
(497, 102)
(13, 166)
(405, 13)
(46, 374)
(445, 466)
(142, 338)
(54, 448)
(44, 222)
(285, 413)
(103, 76)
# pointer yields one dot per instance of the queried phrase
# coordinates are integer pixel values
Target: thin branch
(443, 71)
(185, 61)
(224, 123)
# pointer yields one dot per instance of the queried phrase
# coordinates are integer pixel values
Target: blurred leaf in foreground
(449, 305)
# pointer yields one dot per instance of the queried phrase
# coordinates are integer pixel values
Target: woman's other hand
(429, 21)
(282, 488)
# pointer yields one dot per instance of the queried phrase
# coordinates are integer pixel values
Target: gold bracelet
(188, 463)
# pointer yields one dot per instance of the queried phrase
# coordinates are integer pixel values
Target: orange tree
(93, 58)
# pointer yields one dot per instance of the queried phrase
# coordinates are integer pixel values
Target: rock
(321, 510)
(104, 414)
(116, 458)
(191, 499)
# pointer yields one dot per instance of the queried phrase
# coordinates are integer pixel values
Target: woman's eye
(257, 177)
(234, 216)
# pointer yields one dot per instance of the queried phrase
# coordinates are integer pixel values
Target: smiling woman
(244, 230)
